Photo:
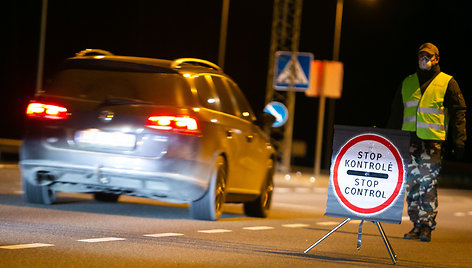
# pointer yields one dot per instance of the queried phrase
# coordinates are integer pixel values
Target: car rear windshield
(156, 88)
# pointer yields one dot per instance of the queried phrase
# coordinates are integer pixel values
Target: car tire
(210, 206)
(261, 206)
(106, 197)
(38, 194)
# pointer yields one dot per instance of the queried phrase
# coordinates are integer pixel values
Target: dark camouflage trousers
(423, 170)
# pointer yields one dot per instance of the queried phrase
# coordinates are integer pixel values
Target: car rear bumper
(172, 180)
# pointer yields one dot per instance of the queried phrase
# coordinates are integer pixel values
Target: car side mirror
(265, 121)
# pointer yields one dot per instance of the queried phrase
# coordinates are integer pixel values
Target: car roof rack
(199, 62)
(93, 52)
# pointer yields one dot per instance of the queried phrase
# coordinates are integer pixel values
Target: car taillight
(182, 124)
(46, 111)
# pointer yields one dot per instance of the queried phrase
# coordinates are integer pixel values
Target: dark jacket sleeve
(456, 107)
(395, 120)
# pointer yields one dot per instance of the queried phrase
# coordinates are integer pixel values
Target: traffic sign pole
(292, 73)
(319, 134)
(288, 133)
(326, 82)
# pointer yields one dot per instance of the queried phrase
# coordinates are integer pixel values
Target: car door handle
(229, 134)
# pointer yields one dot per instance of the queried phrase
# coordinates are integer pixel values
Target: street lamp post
(223, 33)
(42, 43)
(337, 29)
(322, 103)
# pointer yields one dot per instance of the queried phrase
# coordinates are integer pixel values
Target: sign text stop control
(367, 174)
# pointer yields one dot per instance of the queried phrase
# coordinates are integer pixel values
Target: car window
(157, 88)
(206, 93)
(224, 94)
(245, 110)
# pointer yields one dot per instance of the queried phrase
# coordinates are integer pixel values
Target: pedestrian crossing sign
(292, 71)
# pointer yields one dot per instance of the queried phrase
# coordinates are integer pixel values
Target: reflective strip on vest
(411, 104)
(430, 126)
(409, 119)
(428, 110)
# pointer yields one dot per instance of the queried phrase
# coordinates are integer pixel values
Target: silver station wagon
(179, 131)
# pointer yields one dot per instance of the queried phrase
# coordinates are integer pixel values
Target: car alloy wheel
(38, 194)
(261, 206)
(210, 206)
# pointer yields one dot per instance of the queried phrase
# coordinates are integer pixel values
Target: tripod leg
(359, 235)
(328, 234)
(392, 254)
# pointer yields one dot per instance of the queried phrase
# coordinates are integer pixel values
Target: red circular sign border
(398, 159)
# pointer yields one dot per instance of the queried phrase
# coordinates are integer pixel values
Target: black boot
(425, 233)
(413, 234)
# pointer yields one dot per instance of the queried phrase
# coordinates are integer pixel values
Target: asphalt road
(136, 232)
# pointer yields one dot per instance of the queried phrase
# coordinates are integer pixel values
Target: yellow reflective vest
(425, 113)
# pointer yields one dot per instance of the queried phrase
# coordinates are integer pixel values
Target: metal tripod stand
(392, 254)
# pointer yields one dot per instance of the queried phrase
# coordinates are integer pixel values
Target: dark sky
(378, 45)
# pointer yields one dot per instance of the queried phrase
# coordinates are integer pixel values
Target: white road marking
(103, 239)
(215, 231)
(327, 223)
(320, 190)
(163, 235)
(281, 190)
(258, 228)
(459, 214)
(469, 213)
(355, 221)
(19, 192)
(295, 206)
(23, 246)
(295, 225)
(405, 218)
(9, 166)
(302, 190)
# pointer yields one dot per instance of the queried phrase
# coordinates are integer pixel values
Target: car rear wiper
(110, 101)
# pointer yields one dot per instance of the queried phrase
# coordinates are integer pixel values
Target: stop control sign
(367, 176)
(373, 174)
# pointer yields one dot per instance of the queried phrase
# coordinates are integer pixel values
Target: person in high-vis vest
(430, 105)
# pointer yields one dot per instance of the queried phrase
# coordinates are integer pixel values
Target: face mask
(424, 63)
